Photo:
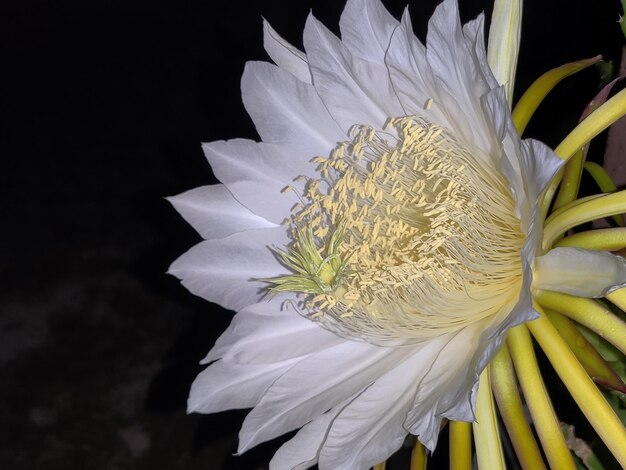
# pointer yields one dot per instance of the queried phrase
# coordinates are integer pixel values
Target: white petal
(528, 165)
(448, 374)
(580, 272)
(302, 450)
(454, 62)
(354, 91)
(474, 33)
(316, 384)
(366, 28)
(286, 56)
(257, 174)
(541, 164)
(270, 331)
(288, 111)
(225, 386)
(224, 270)
(370, 428)
(412, 77)
(215, 213)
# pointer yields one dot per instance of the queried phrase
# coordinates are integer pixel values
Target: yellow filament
(460, 445)
(486, 434)
(586, 394)
(504, 386)
(537, 399)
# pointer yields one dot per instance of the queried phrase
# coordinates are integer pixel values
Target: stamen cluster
(429, 237)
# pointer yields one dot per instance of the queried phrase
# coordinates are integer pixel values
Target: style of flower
(378, 244)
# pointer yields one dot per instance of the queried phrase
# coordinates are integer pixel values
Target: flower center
(405, 235)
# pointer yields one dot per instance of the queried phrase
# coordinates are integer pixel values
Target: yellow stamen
(430, 238)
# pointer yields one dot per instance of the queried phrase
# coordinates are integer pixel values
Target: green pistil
(317, 270)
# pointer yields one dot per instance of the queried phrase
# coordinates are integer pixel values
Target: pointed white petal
(270, 331)
(257, 174)
(528, 165)
(214, 213)
(286, 56)
(288, 111)
(541, 164)
(354, 91)
(316, 384)
(580, 272)
(454, 63)
(366, 28)
(447, 375)
(224, 270)
(370, 428)
(412, 77)
(225, 386)
(474, 34)
(301, 451)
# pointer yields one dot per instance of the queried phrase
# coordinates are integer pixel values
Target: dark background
(104, 105)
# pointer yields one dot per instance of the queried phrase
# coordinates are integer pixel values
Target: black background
(104, 105)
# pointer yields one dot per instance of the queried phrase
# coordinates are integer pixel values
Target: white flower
(402, 254)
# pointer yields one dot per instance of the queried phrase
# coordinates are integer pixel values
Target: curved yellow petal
(581, 211)
(532, 98)
(606, 239)
(589, 313)
(590, 127)
(589, 358)
(419, 459)
(460, 445)
(586, 394)
(537, 399)
(504, 38)
(486, 435)
(505, 390)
